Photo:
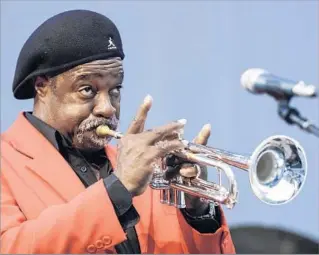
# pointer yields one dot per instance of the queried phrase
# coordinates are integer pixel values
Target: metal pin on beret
(62, 42)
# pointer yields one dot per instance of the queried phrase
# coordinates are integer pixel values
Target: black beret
(62, 42)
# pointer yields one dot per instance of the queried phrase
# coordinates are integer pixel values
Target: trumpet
(277, 171)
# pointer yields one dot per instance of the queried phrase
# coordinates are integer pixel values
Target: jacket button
(83, 169)
(91, 248)
(107, 240)
(99, 244)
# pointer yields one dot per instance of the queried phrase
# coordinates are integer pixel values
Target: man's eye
(87, 91)
(116, 92)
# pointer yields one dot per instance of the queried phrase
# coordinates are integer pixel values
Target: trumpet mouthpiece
(104, 130)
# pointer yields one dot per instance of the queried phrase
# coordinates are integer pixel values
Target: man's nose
(103, 107)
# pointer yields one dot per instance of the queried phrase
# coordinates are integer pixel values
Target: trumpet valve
(165, 196)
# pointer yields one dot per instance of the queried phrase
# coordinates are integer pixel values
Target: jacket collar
(45, 161)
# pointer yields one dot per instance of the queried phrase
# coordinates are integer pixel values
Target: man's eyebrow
(90, 76)
(87, 76)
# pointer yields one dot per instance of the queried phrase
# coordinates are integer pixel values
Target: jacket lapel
(46, 162)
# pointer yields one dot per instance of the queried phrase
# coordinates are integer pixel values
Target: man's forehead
(98, 68)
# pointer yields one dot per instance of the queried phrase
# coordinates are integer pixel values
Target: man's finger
(162, 148)
(138, 123)
(170, 130)
(188, 170)
(203, 135)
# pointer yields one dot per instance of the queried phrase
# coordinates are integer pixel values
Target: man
(63, 188)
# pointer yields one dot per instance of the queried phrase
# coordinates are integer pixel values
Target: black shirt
(88, 164)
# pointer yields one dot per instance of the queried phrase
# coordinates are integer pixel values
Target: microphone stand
(293, 117)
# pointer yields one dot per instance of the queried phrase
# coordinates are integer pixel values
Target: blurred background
(189, 56)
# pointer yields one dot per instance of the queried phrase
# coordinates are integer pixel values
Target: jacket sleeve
(209, 243)
(78, 226)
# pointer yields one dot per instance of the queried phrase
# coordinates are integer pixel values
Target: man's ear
(41, 86)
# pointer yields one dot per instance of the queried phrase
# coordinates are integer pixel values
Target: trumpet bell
(278, 169)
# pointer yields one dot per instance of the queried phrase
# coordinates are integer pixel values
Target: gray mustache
(89, 125)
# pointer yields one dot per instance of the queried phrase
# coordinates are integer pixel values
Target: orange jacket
(46, 209)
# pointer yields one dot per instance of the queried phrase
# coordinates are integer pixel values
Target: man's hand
(194, 203)
(138, 150)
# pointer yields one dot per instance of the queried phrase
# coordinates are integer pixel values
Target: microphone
(260, 81)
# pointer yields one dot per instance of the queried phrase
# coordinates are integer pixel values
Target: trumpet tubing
(277, 170)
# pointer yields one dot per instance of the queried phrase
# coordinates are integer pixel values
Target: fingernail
(207, 126)
(148, 99)
(182, 121)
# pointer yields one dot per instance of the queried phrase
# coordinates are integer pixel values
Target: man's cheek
(117, 107)
(74, 124)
